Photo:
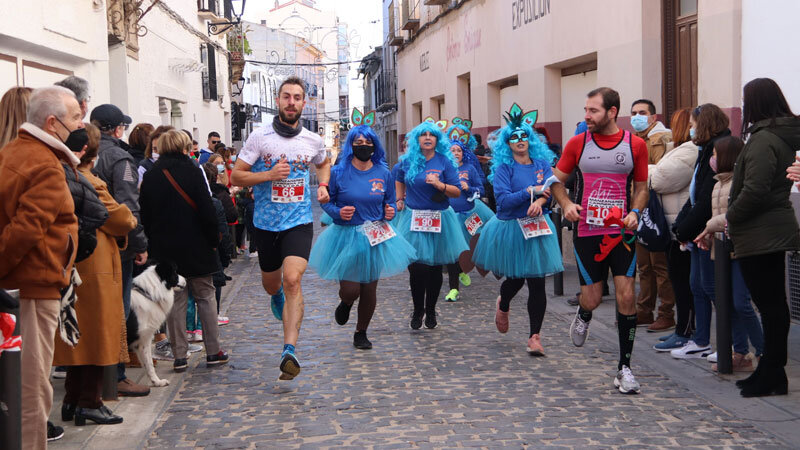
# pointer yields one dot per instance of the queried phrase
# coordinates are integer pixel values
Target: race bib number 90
(288, 191)
(426, 221)
(598, 208)
(377, 232)
(473, 223)
(534, 226)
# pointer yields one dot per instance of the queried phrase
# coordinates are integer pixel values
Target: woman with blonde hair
(151, 150)
(13, 112)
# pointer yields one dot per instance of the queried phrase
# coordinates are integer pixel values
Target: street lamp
(215, 28)
(239, 85)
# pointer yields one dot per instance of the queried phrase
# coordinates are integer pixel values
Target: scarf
(284, 130)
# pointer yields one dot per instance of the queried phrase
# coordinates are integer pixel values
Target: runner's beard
(600, 126)
(285, 118)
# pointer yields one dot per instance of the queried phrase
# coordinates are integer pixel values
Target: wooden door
(680, 55)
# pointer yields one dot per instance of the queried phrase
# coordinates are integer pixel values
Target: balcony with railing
(410, 15)
(436, 2)
(395, 37)
(386, 91)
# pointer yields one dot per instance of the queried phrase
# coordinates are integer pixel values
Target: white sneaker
(163, 351)
(254, 254)
(625, 381)
(578, 330)
(689, 351)
(194, 348)
(712, 358)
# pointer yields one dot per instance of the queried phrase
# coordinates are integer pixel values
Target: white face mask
(155, 156)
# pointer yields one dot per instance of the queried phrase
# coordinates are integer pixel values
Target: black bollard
(558, 279)
(724, 302)
(11, 389)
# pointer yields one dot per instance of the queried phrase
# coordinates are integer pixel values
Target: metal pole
(558, 279)
(11, 390)
(724, 302)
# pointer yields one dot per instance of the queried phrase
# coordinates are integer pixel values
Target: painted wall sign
(524, 12)
(424, 62)
(456, 47)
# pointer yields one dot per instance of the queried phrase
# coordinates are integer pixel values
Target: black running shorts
(620, 260)
(274, 246)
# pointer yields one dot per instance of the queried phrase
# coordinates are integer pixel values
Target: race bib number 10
(288, 191)
(598, 208)
(473, 223)
(377, 232)
(534, 226)
(426, 221)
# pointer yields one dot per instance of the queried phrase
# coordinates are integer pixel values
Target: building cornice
(430, 24)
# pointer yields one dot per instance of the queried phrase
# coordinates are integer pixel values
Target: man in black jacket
(117, 168)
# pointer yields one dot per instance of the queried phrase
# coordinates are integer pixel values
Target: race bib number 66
(288, 191)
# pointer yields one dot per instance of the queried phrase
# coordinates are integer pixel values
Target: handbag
(653, 232)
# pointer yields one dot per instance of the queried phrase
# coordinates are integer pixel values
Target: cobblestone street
(460, 385)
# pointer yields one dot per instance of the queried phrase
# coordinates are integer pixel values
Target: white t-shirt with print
(263, 149)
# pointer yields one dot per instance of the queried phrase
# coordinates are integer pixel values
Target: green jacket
(760, 216)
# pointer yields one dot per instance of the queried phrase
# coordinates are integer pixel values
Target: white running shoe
(712, 358)
(625, 381)
(163, 351)
(689, 351)
(194, 348)
(578, 330)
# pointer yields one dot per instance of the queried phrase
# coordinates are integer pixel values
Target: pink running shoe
(535, 346)
(501, 318)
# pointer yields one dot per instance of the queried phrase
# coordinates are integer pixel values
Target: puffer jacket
(719, 205)
(91, 212)
(761, 218)
(670, 178)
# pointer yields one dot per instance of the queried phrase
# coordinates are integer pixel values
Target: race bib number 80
(288, 191)
(426, 221)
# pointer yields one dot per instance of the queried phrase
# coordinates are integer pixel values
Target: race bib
(426, 220)
(377, 232)
(534, 226)
(598, 208)
(288, 191)
(473, 223)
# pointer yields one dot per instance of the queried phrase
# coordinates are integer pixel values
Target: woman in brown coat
(98, 308)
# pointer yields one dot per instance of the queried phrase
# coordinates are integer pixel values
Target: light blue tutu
(342, 252)
(435, 249)
(503, 250)
(325, 219)
(484, 212)
(398, 217)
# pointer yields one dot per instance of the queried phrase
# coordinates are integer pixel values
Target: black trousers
(678, 265)
(84, 386)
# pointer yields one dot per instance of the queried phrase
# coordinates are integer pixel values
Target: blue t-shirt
(511, 183)
(467, 173)
(263, 149)
(367, 190)
(419, 193)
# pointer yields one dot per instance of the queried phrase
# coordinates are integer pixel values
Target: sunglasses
(215, 142)
(518, 136)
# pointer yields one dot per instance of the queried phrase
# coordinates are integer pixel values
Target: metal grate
(793, 284)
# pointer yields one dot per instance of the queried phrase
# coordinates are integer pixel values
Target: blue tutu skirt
(342, 252)
(434, 249)
(484, 212)
(325, 219)
(503, 250)
(398, 217)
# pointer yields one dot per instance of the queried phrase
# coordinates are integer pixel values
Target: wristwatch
(638, 214)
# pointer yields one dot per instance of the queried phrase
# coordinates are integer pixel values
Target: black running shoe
(343, 313)
(416, 321)
(430, 321)
(360, 341)
(180, 365)
(54, 432)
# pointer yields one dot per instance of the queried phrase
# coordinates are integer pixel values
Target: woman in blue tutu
(360, 246)
(426, 177)
(471, 211)
(520, 241)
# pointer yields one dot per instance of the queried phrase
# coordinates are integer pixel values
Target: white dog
(152, 296)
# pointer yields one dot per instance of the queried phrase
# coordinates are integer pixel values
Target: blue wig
(468, 151)
(378, 158)
(502, 154)
(416, 160)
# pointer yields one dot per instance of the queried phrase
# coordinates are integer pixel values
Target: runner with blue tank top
(360, 246)
(276, 160)
(611, 186)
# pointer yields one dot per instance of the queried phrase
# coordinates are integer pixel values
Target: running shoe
(222, 320)
(193, 348)
(342, 313)
(452, 296)
(360, 341)
(665, 337)
(416, 321)
(60, 372)
(625, 381)
(712, 358)
(253, 254)
(535, 346)
(180, 365)
(500, 318)
(290, 366)
(190, 336)
(217, 360)
(690, 350)
(276, 303)
(672, 342)
(578, 330)
(197, 336)
(54, 432)
(163, 351)
(430, 321)
(464, 279)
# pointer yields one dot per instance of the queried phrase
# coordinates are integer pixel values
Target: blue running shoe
(290, 366)
(665, 337)
(672, 343)
(277, 304)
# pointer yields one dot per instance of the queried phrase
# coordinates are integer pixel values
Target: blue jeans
(746, 324)
(127, 284)
(701, 280)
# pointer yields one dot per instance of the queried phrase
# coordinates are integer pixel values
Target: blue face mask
(691, 133)
(220, 168)
(639, 122)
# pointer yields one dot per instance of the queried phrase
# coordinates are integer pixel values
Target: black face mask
(77, 139)
(363, 152)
